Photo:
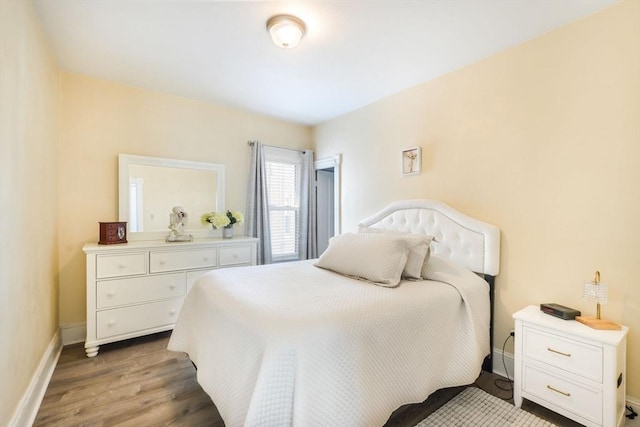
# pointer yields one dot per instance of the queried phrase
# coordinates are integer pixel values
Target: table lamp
(597, 292)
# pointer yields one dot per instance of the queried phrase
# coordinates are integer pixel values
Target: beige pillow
(379, 258)
(418, 256)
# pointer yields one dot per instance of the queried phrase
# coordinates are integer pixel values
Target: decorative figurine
(178, 219)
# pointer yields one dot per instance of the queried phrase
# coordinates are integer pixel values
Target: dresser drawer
(112, 293)
(232, 255)
(119, 321)
(121, 265)
(161, 261)
(578, 398)
(573, 356)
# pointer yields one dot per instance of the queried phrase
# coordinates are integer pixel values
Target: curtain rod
(252, 143)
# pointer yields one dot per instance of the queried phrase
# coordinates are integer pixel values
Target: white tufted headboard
(458, 237)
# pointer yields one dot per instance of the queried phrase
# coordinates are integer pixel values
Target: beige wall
(29, 98)
(101, 119)
(542, 140)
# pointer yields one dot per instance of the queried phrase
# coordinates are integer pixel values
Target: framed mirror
(149, 188)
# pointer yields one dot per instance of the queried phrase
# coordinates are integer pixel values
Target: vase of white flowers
(226, 221)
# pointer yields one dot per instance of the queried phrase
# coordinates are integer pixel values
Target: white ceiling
(354, 53)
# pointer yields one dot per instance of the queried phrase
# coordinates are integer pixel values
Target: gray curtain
(308, 231)
(257, 221)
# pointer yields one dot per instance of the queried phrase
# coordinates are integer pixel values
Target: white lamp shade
(595, 292)
(286, 31)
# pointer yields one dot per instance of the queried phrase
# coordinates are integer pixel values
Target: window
(283, 188)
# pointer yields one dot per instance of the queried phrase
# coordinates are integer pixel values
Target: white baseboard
(28, 406)
(498, 365)
(634, 402)
(73, 333)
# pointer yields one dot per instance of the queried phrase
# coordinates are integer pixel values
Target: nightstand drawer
(112, 293)
(573, 356)
(161, 261)
(119, 321)
(121, 265)
(572, 396)
(233, 255)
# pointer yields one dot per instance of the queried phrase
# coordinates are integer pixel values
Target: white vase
(227, 232)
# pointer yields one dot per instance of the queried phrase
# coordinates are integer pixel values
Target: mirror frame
(125, 160)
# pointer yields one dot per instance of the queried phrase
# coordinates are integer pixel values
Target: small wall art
(411, 161)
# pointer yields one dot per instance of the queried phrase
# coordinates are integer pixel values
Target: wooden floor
(140, 383)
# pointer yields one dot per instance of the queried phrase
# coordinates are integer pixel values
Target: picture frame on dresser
(570, 368)
(138, 288)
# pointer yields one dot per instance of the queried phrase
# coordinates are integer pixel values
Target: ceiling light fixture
(286, 30)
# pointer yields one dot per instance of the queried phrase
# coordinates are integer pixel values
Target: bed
(294, 344)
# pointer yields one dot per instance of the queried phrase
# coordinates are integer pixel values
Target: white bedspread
(294, 345)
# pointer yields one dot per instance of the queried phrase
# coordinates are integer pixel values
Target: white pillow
(418, 256)
(377, 258)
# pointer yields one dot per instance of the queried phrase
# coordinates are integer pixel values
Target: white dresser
(138, 288)
(570, 368)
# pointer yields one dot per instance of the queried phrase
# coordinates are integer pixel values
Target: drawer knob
(111, 322)
(172, 286)
(121, 266)
(110, 294)
(564, 393)
(162, 262)
(558, 352)
(172, 311)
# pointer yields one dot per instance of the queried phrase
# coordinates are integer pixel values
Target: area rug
(474, 407)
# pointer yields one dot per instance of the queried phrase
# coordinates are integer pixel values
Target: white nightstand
(570, 368)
